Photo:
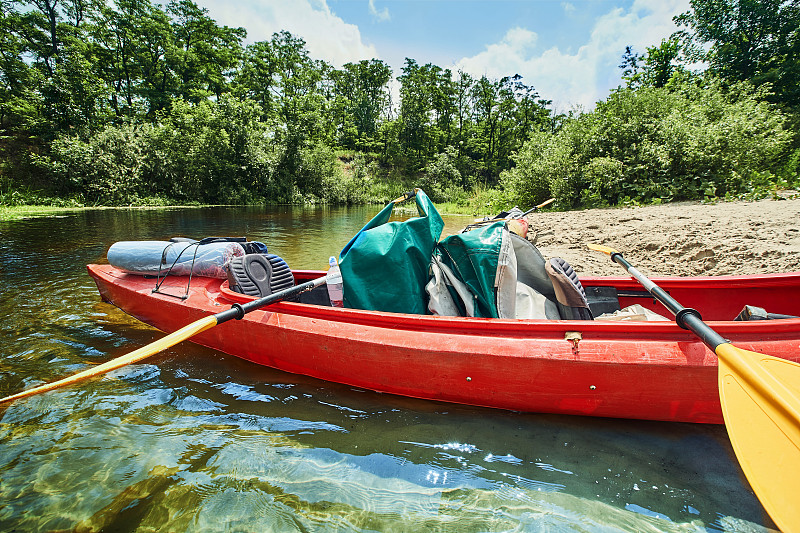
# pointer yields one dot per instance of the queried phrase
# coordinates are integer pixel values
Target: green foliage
(361, 102)
(349, 188)
(546, 166)
(654, 145)
(478, 202)
(487, 120)
(203, 55)
(790, 171)
(605, 176)
(213, 152)
(14, 196)
(132, 101)
(73, 100)
(318, 174)
(656, 67)
(107, 169)
(129, 58)
(18, 98)
(755, 41)
(441, 179)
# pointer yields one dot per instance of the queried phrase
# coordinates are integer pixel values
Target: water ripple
(243, 392)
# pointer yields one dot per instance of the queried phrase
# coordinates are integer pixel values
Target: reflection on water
(198, 440)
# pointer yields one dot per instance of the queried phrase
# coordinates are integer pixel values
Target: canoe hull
(653, 370)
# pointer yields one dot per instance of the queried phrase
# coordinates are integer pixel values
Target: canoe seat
(570, 295)
(259, 274)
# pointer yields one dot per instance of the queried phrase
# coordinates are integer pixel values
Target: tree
(362, 94)
(205, 54)
(51, 35)
(257, 77)
(414, 110)
(463, 106)
(486, 100)
(298, 104)
(750, 40)
(131, 41)
(18, 81)
(656, 67)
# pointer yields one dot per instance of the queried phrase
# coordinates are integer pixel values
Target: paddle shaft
(237, 311)
(537, 207)
(685, 317)
(760, 401)
(690, 319)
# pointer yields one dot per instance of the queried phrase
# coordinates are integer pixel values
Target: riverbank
(30, 211)
(679, 239)
(26, 211)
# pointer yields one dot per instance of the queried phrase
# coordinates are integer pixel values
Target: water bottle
(335, 291)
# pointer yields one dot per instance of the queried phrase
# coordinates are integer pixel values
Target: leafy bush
(546, 167)
(682, 141)
(318, 174)
(441, 178)
(604, 176)
(107, 169)
(214, 152)
(349, 187)
(790, 171)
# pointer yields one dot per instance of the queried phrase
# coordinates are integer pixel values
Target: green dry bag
(474, 257)
(385, 266)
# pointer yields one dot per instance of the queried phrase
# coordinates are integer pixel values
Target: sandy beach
(679, 239)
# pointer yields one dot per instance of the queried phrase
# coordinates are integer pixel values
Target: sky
(568, 50)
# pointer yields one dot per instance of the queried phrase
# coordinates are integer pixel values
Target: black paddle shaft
(686, 317)
(237, 311)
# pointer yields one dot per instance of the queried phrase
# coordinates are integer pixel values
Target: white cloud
(568, 7)
(327, 36)
(584, 76)
(380, 16)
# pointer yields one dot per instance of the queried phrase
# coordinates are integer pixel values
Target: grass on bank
(478, 203)
(27, 211)
(19, 212)
(17, 204)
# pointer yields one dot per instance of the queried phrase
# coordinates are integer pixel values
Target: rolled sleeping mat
(177, 258)
(250, 247)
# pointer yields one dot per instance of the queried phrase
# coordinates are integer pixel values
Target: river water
(197, 440)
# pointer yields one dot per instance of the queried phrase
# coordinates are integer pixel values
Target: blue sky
(568, 50)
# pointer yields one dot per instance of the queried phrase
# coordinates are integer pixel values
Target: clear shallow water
(196, 440)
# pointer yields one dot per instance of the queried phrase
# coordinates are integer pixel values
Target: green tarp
(385, 266)
(474, 258)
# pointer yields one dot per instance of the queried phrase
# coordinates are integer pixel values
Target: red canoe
(638, 370)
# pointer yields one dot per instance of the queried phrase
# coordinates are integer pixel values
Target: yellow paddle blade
(137, 355)
(601, 248)
(761, 404)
